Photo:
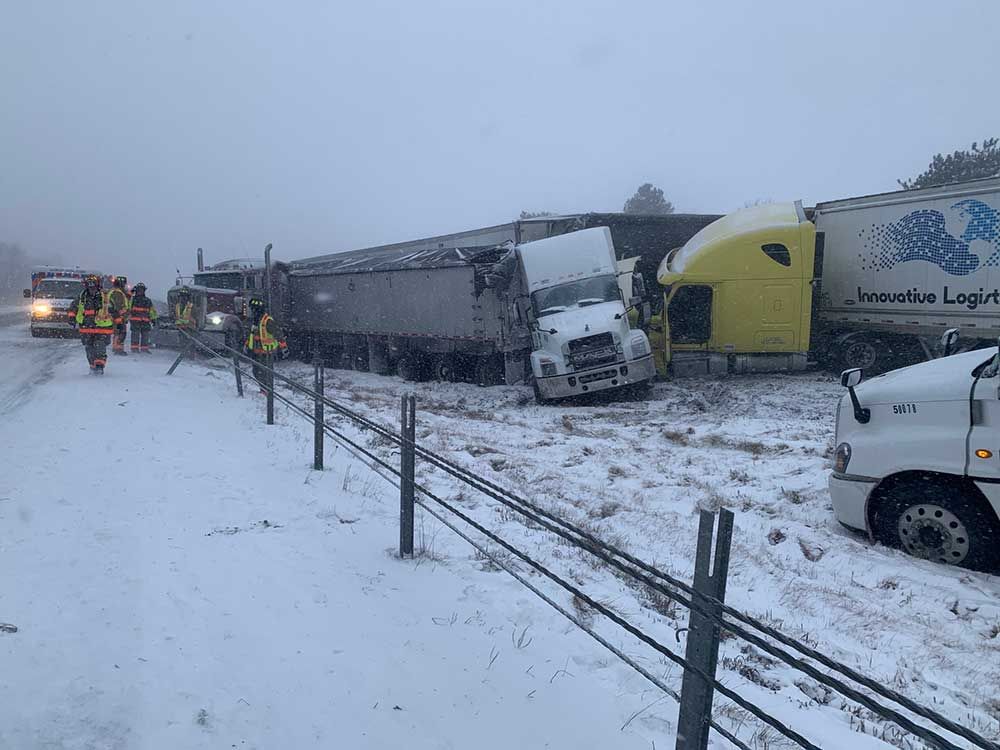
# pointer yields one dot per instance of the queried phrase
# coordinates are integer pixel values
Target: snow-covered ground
(179, 577)
(636, 473)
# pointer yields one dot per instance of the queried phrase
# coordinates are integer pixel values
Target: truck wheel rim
(934, 533)
(860, 354)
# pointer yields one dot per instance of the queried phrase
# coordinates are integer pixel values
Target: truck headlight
(548, 367)
(841, 458)
(640, 345)
(215, 319)
(41, 308)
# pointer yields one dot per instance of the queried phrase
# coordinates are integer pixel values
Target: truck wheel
(861, 351)
(406, 367)
(487, 372)
(444, 369)
(940, 520)
(539, 398)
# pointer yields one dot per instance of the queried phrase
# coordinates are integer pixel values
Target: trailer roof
(984, 184)
(394, 258)
(480, 245)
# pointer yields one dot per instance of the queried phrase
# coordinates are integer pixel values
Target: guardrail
(704, 598)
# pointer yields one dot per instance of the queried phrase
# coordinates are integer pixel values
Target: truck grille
(592, 351)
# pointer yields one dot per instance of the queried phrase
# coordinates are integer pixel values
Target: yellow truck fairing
(738, 294)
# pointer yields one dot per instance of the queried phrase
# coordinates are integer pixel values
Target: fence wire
(640, 571)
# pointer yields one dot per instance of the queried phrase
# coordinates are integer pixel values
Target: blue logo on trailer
(922, 235)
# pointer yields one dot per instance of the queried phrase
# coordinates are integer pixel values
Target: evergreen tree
(648, 199)
(978, 161)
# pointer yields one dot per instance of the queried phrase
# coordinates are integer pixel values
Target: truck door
(983, 458)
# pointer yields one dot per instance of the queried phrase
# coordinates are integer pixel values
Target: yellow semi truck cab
(737, 297)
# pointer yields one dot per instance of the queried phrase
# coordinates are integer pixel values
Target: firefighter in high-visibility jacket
(142, 315)
(264, 341)
(184, 311)
(122, 299)
(95, 319)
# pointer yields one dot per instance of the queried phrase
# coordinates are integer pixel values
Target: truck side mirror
(849, 379)
(27, 294)
(948, 340)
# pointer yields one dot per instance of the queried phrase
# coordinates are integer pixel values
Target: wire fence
(709, 614)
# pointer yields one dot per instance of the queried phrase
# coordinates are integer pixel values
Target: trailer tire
(445, 369)
(487, 371)
(936, 518)
(408, 368)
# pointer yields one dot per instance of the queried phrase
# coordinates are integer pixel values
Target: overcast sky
(133, 132)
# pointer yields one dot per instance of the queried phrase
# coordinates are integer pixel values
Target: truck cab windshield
(220, 280)
(61, 289)
(581, 293)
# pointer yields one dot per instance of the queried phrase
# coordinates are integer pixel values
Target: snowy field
(180, 578)
(636, 473)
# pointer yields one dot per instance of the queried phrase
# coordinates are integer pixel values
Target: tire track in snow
(30, 363)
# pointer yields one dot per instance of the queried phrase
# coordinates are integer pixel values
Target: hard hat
(120, 281)
(139, 287)
(257, 303)
(92, 278)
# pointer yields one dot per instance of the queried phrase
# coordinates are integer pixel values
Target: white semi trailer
(895, 270)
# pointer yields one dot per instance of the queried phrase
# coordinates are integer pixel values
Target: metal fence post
(702, 650)
(269, 379)
(407, 461)
(239, 376)
(318, 386)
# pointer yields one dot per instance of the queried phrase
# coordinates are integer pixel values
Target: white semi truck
(917, 463)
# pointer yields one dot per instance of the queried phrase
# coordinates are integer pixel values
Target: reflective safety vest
(183, 317)
(122, 300)
(261, 341)
(94, 319)
(141, 313)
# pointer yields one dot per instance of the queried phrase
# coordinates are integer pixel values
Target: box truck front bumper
(849, 494)
(597, 379)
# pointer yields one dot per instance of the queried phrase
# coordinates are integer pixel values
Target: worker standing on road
(264, 341)
(141, 317)
(121, 298)
(184, 319)
(95, 319)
